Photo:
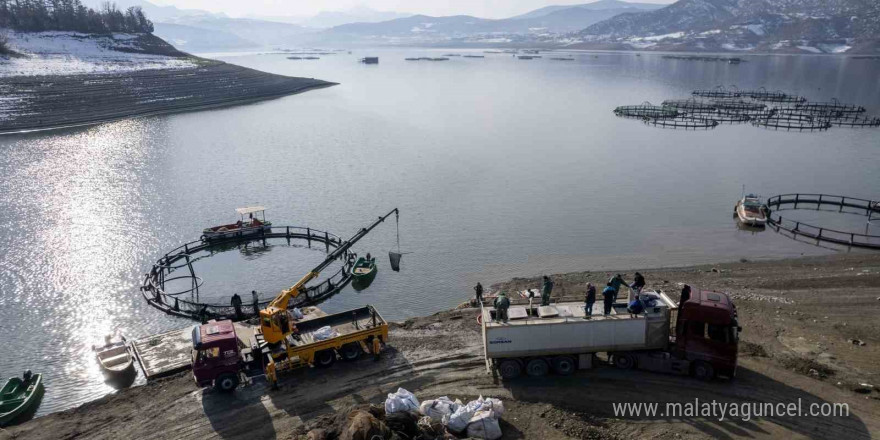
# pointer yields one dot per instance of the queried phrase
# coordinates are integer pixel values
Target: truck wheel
(564, 365)
(703, 370)
(325, 358)
(624, 361)
(350, 352)
(226, 383)
(537, 367)
(510, 369)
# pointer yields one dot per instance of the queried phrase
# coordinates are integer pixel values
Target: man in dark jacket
(615, 282)
(589, 300)
(479, 293)
(545, 291)
(236, 304)
(685, 295)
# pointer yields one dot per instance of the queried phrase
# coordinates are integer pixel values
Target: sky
(479, 8)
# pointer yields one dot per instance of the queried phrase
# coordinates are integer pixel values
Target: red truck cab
(707, 334)
(216, 356)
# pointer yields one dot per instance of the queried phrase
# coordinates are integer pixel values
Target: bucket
(395, 260)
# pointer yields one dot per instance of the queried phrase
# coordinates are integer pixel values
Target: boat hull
(748, 218)
(32, 398)
(363, 273)
(212, 235)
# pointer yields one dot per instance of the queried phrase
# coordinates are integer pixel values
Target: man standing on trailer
(608, 295)
(615, 283)
(590, 299)
(501, 306)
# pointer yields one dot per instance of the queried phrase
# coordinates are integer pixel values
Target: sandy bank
(798, 317)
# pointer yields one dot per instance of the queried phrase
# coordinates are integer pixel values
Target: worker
(615, 282)
(589, 300)
(608, 294)
(479, 293)
(636, 287)
(545, 291)
(685, 295)
(501, 306)
(256, 302)
(236, 304)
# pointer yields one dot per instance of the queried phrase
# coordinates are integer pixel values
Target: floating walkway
(868, 208)
(186, 303)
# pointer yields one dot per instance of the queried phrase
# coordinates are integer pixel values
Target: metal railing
(153, 286)
(845, 238)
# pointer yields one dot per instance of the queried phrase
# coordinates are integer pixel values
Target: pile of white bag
(325, 333)
(478, 418)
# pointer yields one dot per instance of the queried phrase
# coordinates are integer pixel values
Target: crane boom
(273, 317)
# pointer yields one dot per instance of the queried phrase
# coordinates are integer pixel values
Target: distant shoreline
(52, 102)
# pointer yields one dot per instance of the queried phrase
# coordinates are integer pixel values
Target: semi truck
(222, 358)
(699, 338)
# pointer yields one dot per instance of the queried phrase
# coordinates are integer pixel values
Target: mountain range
(818, 26)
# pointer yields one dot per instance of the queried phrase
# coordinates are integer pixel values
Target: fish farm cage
(831, 203)
(186, 303)
(645, 110)
(684, 122)
(775, 110)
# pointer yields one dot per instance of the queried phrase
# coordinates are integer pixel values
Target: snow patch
(69, 53)
(810, 49)
(834, 48)
(673, 35)
(734, 47)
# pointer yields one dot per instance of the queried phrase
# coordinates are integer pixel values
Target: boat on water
(245, 226)
(20, 398)
(751, 211)
(364, 271)
(115, 359)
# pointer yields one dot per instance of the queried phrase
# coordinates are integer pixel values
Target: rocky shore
(810, 335)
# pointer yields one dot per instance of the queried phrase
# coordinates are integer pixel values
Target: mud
(827, 303)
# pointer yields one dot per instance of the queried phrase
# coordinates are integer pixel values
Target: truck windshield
(208, 353)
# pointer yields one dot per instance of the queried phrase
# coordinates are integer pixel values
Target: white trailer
(560, 336)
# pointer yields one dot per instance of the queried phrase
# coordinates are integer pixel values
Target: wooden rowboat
(20, 398)
(751, 212)
(115, 359)
(363, 272)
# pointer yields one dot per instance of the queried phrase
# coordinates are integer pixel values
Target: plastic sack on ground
(458, 421)
(484, 425)
(494, 405)
(297, 313)
(438, 408)
(325, 333)
(400, 401)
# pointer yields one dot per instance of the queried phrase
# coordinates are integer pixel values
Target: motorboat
(250, 225)
(750, 211)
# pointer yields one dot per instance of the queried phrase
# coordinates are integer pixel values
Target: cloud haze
(479, 8)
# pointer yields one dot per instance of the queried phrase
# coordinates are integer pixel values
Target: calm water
(500, 167)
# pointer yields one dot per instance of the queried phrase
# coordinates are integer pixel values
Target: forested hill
(71, 15)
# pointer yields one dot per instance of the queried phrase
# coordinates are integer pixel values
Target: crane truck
(699, 338)
(281, 343)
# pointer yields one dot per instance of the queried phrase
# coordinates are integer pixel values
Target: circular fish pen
(186, 302)
(776, 120)
(856, 121)
(688, 105)
(684, 122)
(721, 116)
(737, 105)
(839, 204)
(718, 92)
(645, 110)
(834, 106)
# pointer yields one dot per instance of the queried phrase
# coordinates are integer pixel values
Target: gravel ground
(55, 101)
(799, 317)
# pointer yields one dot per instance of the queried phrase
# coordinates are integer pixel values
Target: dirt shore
(810, 335)
(58, 101)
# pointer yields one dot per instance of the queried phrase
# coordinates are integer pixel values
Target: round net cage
(718, 92)
(737, 105)
(721, 116)
(683, 122)
(791, 122)
(688, 105)
(855, 121)
(645, 110)
(834, 106)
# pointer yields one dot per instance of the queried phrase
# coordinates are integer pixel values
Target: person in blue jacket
(608, 294)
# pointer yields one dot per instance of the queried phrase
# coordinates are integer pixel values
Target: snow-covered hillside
(69, 53)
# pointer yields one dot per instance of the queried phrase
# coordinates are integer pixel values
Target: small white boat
(245, 226)
(751, 211)
(114, 358)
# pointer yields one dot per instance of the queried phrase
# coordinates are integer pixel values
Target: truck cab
(216, 356)
(707, 334)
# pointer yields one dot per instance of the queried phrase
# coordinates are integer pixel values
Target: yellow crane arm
(280, 301)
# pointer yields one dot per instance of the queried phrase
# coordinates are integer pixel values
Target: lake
(500, 167)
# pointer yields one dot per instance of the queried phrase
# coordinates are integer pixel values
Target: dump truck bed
(345, 324)
(562, 329)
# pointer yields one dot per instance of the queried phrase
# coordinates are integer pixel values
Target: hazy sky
(479, 8)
